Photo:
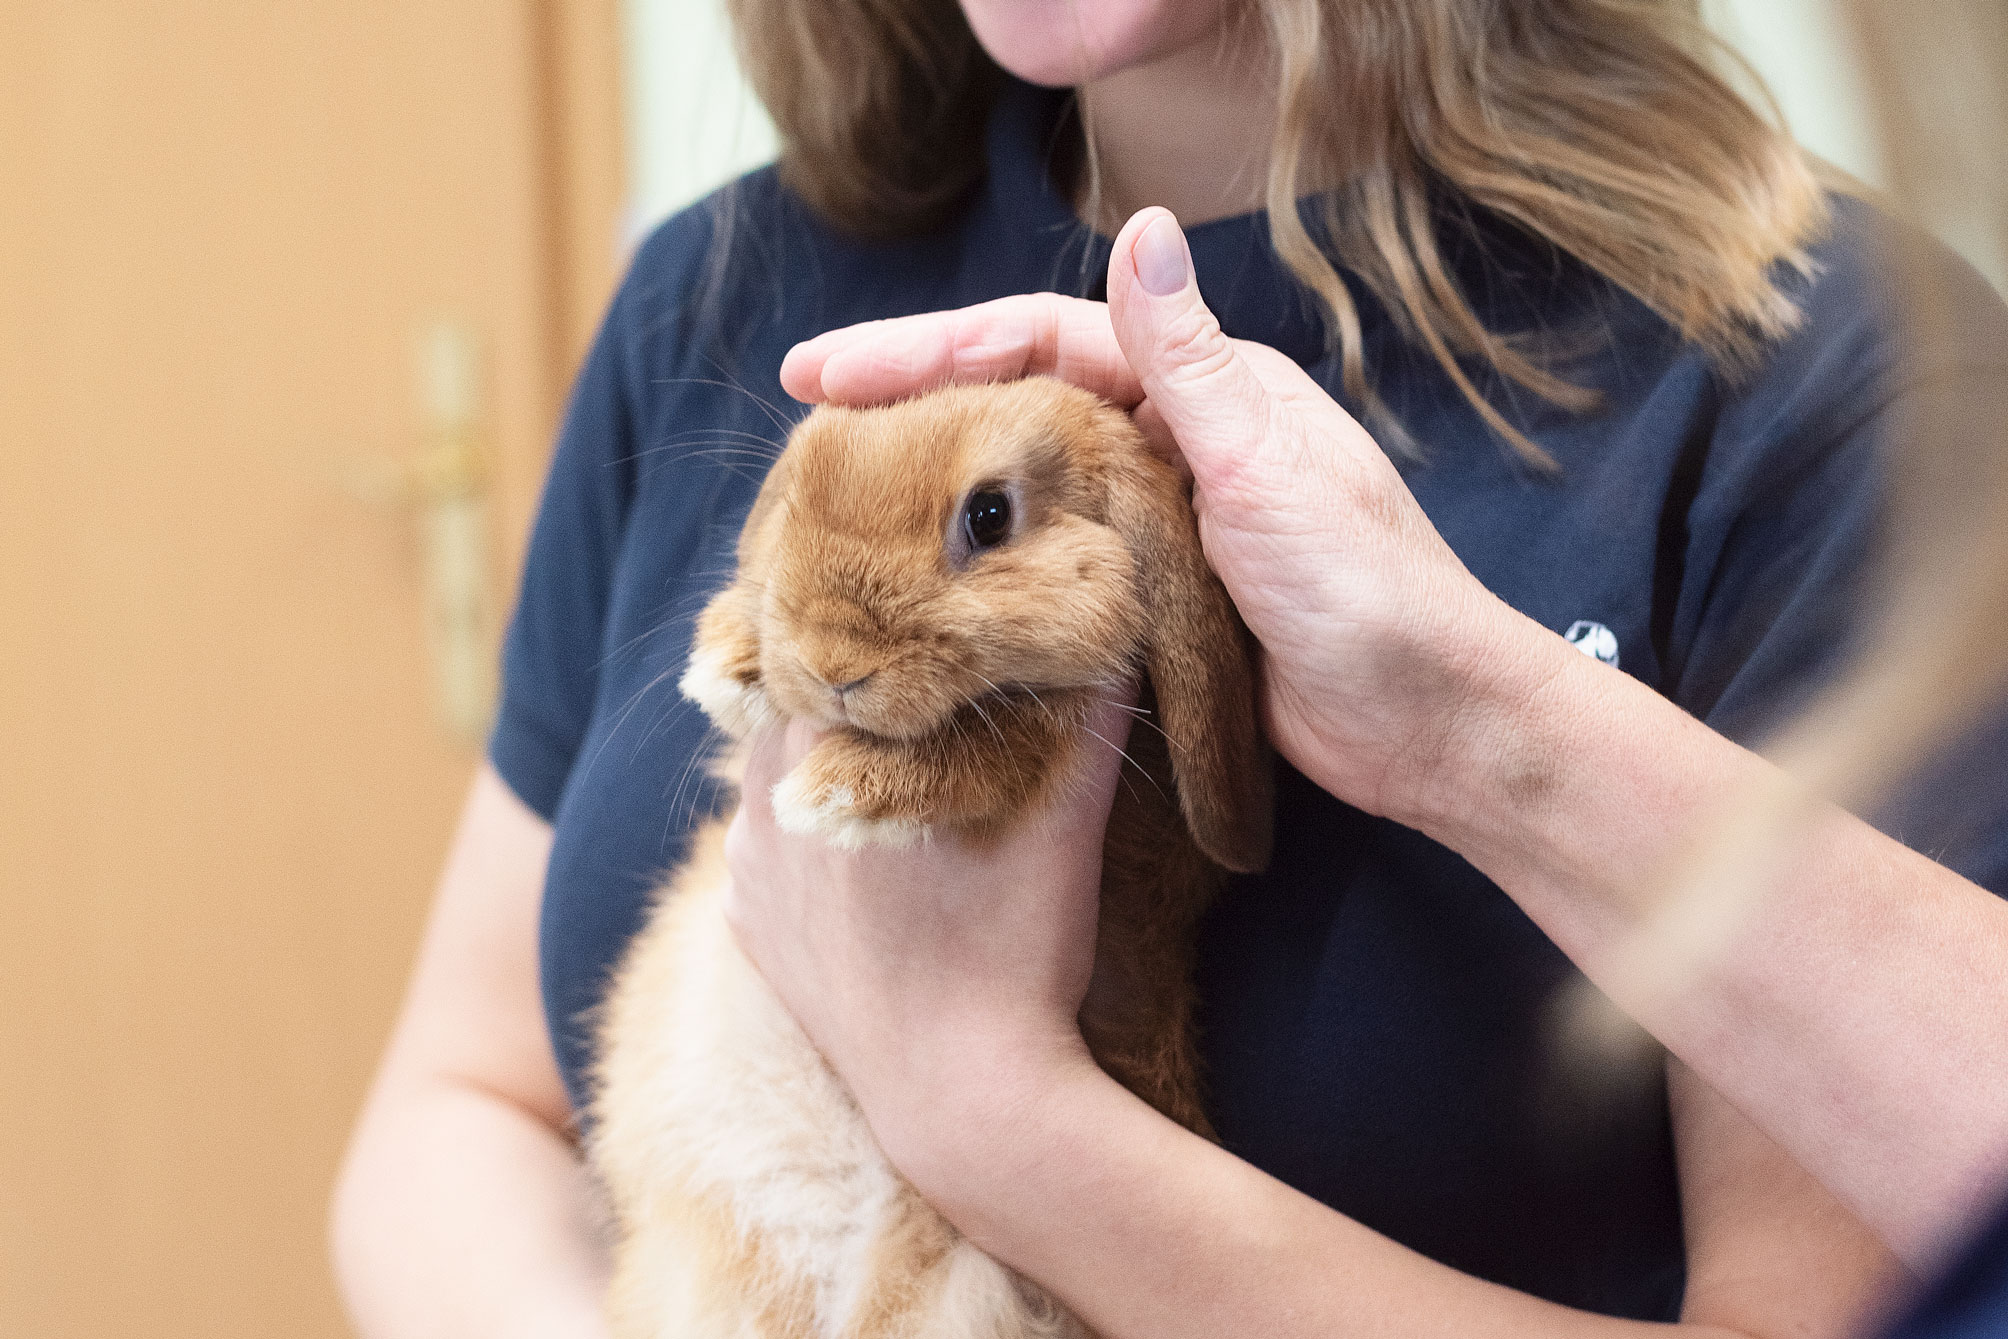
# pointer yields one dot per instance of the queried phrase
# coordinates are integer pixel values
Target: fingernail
(1162, 263)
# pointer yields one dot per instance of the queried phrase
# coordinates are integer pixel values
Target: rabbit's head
(903, 562)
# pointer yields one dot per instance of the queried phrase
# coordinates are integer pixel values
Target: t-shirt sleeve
(1790, 529)
(552, 653)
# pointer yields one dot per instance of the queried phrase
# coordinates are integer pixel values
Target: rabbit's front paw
(812, 801)
(729, 691)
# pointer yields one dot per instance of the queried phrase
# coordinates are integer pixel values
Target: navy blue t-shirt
(1971, 1300)
(1377, 1016)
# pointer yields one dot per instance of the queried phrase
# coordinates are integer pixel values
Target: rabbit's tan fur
(750, 1198)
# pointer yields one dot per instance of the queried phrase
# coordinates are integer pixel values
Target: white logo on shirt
(1594, 639)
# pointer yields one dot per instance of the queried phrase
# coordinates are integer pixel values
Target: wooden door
(224, 226)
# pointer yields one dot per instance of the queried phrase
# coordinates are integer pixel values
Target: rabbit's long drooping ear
(1200, 660)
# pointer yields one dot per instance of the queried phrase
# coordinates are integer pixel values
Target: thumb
(1195, 379)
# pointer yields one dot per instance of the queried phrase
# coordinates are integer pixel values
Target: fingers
(1155, 338)
(1035, 334)
(771, 754)
(1199, 384)
(752, 837)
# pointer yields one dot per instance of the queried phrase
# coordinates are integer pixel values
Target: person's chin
(1064, 43)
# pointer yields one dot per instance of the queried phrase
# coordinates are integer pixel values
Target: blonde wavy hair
(1602, 126)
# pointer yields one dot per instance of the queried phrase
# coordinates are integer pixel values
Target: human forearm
(1853, 1004)
(460, 1213)
(1144, 1229)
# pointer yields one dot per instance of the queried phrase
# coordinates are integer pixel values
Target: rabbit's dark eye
(986, 518)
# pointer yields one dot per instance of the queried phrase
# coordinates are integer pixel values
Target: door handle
(445, 487)
(450, 483)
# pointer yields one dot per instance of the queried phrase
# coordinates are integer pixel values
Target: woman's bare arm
(1144, 1229)
(462, 1208)
(1855, 1009)
(1770, 1251)
(943, 983)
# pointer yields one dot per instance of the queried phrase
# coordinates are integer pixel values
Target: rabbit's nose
(843, 673)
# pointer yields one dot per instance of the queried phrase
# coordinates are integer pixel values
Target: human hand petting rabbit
(944, 977)
(1381, 652)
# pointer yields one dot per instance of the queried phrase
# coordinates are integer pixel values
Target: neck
(1188, 131)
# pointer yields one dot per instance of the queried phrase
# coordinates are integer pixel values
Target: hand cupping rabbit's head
(902, 565)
